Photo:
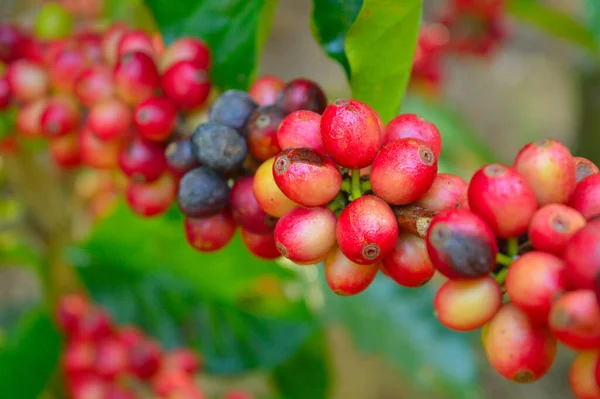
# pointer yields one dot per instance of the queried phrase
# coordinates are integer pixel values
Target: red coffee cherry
(467, 304)
(367, 230)
(186, 49)
(583, 256)
(86, 386)
(408, 264)
(209, 234)
(110, 119)
(575, 320)
(302, 94)
(11, 41)
(552, 226)
(29, 117)
(586, 197)
(110, 42)
(262, 132)
(90, 43)
(111, 359)
(260, 245)
(65, 67)
(534, 281)
(60, 117)
(66, 151)
(94, 85)
(95, 325)
(27, 80)
(186, 84)
(350, 133)
(306, 176)
(267, 193)
(5, 96)
(151, 199)
(581, 376)
(584, 167)
(345, 277)
(518, 349)
(413, 126)
(266, 89)
(155, 118)
(97, 153)
(549, 169)
(445, 193)
(135, 40)
(403, 171)
(461, 244)
(70, 311)
(184, 360)
(136, 77)
(119, 392)
(142, 160)
(301, 129)
(79, 357)
(145, 358)
(246, 210)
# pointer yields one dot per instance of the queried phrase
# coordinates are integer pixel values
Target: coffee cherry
(503, 199)
(583, 256)
(267, 193)
(129, 336)
(534, 281)
(155, 118)
(60, 117)
(86, 386)
(151, 199)
(52, 22)
(300, 129)
(586, 197)
(119, 392)
(408, 264)
(233, 108)
(135, 40)
(186, 49)
(94, 85)
(90, 43)
(445, 193)
(110, 42)
(180, 158)
(79, 357)
(202, 192)
(145, 358)
(306, 235)
(70, 310)
(403, 171)
(65, 67)
(111, 358)
(575, 320)
(518, 349)
(549, 169)
(584, 167)
(29, 117)
(136, 77)
(367, 230)
(266, 89)
(350, 133)
(94, 325)
(465, 305)
(246, 210)
(262, 132)
(306, 176)
(413, 126)
(461, 244)
(302, 94)
(5, 96)
(11, 39)
(581, 376)
(182, 360)
(260, 245)
(65, 151)
(97, 153)
(218, 147)
(211, 233)
(186, 84)
(27, 80)
(345, 277)
(552, 226)
(110, 119)
(142, 160)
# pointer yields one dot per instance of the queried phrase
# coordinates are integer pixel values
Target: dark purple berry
(233, 108)
(219, 147)
(202, 192)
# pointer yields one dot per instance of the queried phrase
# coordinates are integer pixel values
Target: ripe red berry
(111, 358)
(94, 85)
(79, 357)
(151, 199)
(518, 349)
(583, 256)
(210, 233)
(136, 77)
(345, 277)
(306, 176)
(11, 40)
(186, 49)
(145, 358)
(65, 67)
(461, 244)
(142, 160)
(534, 281)
(86, 386)
(413, 126)
(246, 210)
(581, 376)
(71, 308)
(119, 392)
(97, 153)
(110, 42)
(182, 360)
(350, 133)
(60, 117)
(135, 40)
(186, 84)
(267, 193)
(403, 171)
(65, 150)
(367, 230)
(300, 129)
(130, 336)
(549, 169)
(90, 43)
(27, 80)
(302, 94)
(29, 117)
(445, 193)
(552, 226)
(586, 197)
(5, 96)
(266, 89)
(110, 119)
(260, 245)
(94, 325)
(575, 320)
(155, 118)
(467, 304)
(180, 158)
(408, 264)
(262, 132)
(584, 167)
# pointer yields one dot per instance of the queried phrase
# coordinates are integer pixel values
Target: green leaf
(29, 356)
(398, 324)
(380, 47)
(331, 20)
(235, 30)
(592, 15)
(554, 22)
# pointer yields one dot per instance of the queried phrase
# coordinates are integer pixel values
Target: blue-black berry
(219, 147)
(202, 192)
(233, 108)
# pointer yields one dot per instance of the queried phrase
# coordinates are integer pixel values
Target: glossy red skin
(300, 94)
(66, 67)
(94, 85)
(345, 277)
(11, 41)
(503, 199)
(53, 48)
(145, 358)
(5, 97)
(549, 169)
(413, 126)
(211, 233)
(143, 160)
(518, 349)
(151, 199)
(262, 133)
(307, 177)
(583, 256)
(97, 153)
(32, 49)
(246, 210)
(186, 49)
(445, 193)
(29, 117)
(306, 235)
(65, 151)
(168, 383)
(408, 264)
(260, 245)
(581, 376)
(350, 133)
(575, 320)
(60, 117)
(110, 42)
(474, 240)
(534, 281)
(111, 358)
(586, 197)
(86, 386)
(95, 325)
(110, 119)
(130, 336)
(264, 90)
(403, 171)
(184, 360)
(90, 43)
(136, 77)
(186, 84)
(155, 118)
(301, 129)
(69, 312)
(135, 40)
(367, 230)
(552, 226)
(584, 167)
(27, 80)
(79, 357)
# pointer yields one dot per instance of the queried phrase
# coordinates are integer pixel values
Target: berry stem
(501, 276)
(504, 260)
(346, 187)
(365, 186)
(513, 247)
(356, 191)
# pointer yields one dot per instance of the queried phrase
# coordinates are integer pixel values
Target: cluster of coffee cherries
(104, 361)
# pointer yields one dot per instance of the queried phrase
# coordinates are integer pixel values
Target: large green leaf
(235, 30)
(398, 324)
(28, 356)
(380, 47)
(331, 20)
